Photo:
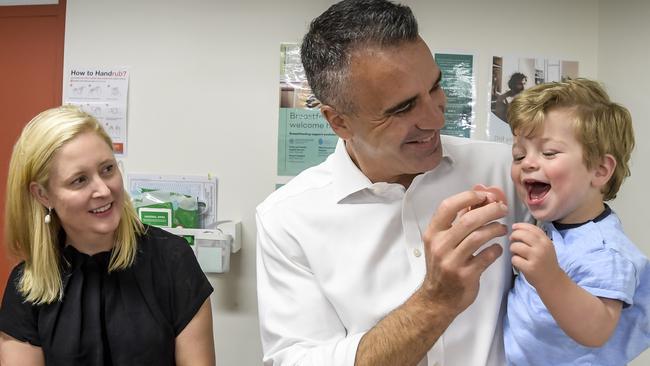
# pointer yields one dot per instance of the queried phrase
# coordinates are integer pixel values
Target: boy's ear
(339, 122)
(39, 192)
(603, 171)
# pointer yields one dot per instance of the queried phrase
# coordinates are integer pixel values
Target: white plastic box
(212, 247)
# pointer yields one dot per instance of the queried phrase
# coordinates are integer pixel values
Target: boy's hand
(533, 254)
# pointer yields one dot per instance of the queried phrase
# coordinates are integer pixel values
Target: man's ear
(603, 171)
(339, 122)
(39, 192)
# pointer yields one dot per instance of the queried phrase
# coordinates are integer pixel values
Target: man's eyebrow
(404, 103)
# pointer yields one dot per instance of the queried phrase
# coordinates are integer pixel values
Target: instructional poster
(103, 93)
(511, 76)
(305, 138)
(459, 86)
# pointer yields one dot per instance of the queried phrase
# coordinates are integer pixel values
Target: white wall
(623, 59)
(204, 87)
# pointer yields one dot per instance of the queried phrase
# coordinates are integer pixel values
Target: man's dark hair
(343, 28)
(515, 79)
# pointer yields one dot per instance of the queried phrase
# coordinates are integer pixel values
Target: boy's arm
(588, 319)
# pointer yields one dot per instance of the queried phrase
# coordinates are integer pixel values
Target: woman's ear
(339, 122)
(603, 171)
(39, 192)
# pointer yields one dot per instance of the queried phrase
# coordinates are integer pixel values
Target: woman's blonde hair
(601, 126)
(27, 234)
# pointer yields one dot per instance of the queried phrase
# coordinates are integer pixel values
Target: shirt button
(416, 252)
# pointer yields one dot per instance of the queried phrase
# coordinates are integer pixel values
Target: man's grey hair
(345, 27)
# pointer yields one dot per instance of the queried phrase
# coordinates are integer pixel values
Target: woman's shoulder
(159, 244)
(15, 275)
(18, 269)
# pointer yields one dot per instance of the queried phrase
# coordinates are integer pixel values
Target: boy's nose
(529, 163)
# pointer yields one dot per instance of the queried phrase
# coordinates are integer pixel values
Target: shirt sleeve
(190, 286)
(18, 318)
(606, 273)
(298, 324)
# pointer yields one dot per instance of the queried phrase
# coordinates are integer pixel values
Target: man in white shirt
(374, 257)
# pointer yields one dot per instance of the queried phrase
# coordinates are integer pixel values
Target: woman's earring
(48, 217)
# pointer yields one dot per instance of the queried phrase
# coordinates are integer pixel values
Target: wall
(623, 57)
(204, 89)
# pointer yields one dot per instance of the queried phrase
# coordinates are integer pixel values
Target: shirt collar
(349, 179)
(606, 212)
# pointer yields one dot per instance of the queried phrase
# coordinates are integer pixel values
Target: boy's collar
(600, 217)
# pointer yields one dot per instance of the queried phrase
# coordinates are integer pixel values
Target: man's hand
(533, 254)
(454, 235)
(497, 193)
(450, 285)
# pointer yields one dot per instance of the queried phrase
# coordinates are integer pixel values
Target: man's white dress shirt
(336, 253)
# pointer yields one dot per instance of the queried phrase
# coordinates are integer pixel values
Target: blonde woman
(95, 287)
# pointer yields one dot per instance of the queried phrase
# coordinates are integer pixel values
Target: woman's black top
(126, 317)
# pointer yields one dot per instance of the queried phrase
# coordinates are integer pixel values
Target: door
(31, 80)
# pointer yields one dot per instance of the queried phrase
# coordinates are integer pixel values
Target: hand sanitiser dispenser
(187, 206)
(213, 247)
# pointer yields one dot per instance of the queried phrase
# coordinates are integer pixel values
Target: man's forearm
(405, 335)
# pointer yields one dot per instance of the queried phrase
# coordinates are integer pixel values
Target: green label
(160, 217)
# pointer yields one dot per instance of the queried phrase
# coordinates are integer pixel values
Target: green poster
(305, 138)
(458, 84)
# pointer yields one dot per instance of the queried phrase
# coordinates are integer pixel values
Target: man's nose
(432, 114)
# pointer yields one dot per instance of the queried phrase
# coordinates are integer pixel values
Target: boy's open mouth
(536, 190)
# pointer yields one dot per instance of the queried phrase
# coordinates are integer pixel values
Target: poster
(459, 85)
(103, 93)
(305, 138)
(511, 76)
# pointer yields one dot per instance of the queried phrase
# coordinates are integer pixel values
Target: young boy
(582, 296)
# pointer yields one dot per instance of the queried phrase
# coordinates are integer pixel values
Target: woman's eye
(517, 157)
(549, 153)
(79, 181)
(109, 168)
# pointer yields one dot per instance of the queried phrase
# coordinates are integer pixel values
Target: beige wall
(623, 57)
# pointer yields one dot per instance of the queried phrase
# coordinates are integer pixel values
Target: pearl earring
(48, 217)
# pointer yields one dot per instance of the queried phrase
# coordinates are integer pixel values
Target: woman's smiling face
(85, 190)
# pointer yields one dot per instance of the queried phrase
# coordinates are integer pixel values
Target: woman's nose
(100, 188)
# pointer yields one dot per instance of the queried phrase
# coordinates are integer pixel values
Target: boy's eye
(109, 168)
(549, 154)
(517, 157)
